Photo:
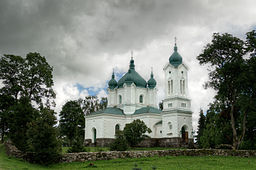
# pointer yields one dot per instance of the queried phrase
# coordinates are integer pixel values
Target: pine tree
(201, 127)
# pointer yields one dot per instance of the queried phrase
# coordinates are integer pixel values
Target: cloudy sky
(84, 40)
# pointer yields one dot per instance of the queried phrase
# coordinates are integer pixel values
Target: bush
(135, 132)
(77, 145)
(120, 143)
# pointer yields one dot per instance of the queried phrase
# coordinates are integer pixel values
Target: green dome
(151, 81)
(175, 58)
(132, 77)
(112, 83)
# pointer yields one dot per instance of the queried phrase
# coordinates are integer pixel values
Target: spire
(175, 46)
(151, 81)
(151, 75)
(113, 74)
(132, 66)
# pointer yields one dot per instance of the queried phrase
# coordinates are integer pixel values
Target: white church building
(132, 97)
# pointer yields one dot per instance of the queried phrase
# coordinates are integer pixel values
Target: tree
(27, 77)
(43, 145)
(161, 107)
(5, 103)
(92, 104)
(135, 132)
(72, 121)
(25, 81)
(19, 116)
(201, 127)
(228, 76)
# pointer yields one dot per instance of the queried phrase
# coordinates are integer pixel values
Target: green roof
(147, 109)
(112, 83)
(175, 59)
(110, 110)
(132, 77)
(151, 81)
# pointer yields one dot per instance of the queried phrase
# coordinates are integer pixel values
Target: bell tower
(177, 114)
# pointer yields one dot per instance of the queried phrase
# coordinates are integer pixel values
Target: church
(132, 97)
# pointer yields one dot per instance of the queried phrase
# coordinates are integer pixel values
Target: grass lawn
(165, 163)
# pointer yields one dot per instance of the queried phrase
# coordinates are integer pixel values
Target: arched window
(117, 128)
(120, 99)
(169, 87)
(182, 86)
(94, 135)
(141, 98)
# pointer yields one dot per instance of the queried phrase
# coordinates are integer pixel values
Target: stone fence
(93, 156)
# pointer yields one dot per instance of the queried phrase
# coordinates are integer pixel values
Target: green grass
(168, 162)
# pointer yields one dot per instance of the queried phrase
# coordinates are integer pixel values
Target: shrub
(77, 145)
(135, 132)
(120, 143)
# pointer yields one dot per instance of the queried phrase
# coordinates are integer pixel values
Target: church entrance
(94, 133)
(184, 134)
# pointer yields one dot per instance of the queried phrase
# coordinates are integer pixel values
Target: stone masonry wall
(93, 156)
(11, 150)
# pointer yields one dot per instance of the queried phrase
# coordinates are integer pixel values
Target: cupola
(112, 83)
(151, 81)
(175, 59)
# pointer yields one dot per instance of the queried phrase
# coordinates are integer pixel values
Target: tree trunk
(235, 139)
(244, 128)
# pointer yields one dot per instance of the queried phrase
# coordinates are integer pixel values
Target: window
(169, 104)
(117, 128)
(169, 84)
(120, 99)
(141, 98)
(182, 86)
(183, 105)
(170, 125)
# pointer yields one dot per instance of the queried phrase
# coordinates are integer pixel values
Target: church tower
(177, 114)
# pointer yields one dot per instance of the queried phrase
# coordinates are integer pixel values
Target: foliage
(44, 148)
(134, 132)
(72, 121)
(92, 104)
(5, 103)
(161, 107)
(20, 115)
(77, 145)
(25, 81)
(120, 142)
(201, 126)
(232, 75)
(27, 77)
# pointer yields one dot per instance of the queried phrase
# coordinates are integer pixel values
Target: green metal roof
(112, 83)
(175, 59)
(151, 81)
(147, 109)
(110, 110)
(132, 77)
